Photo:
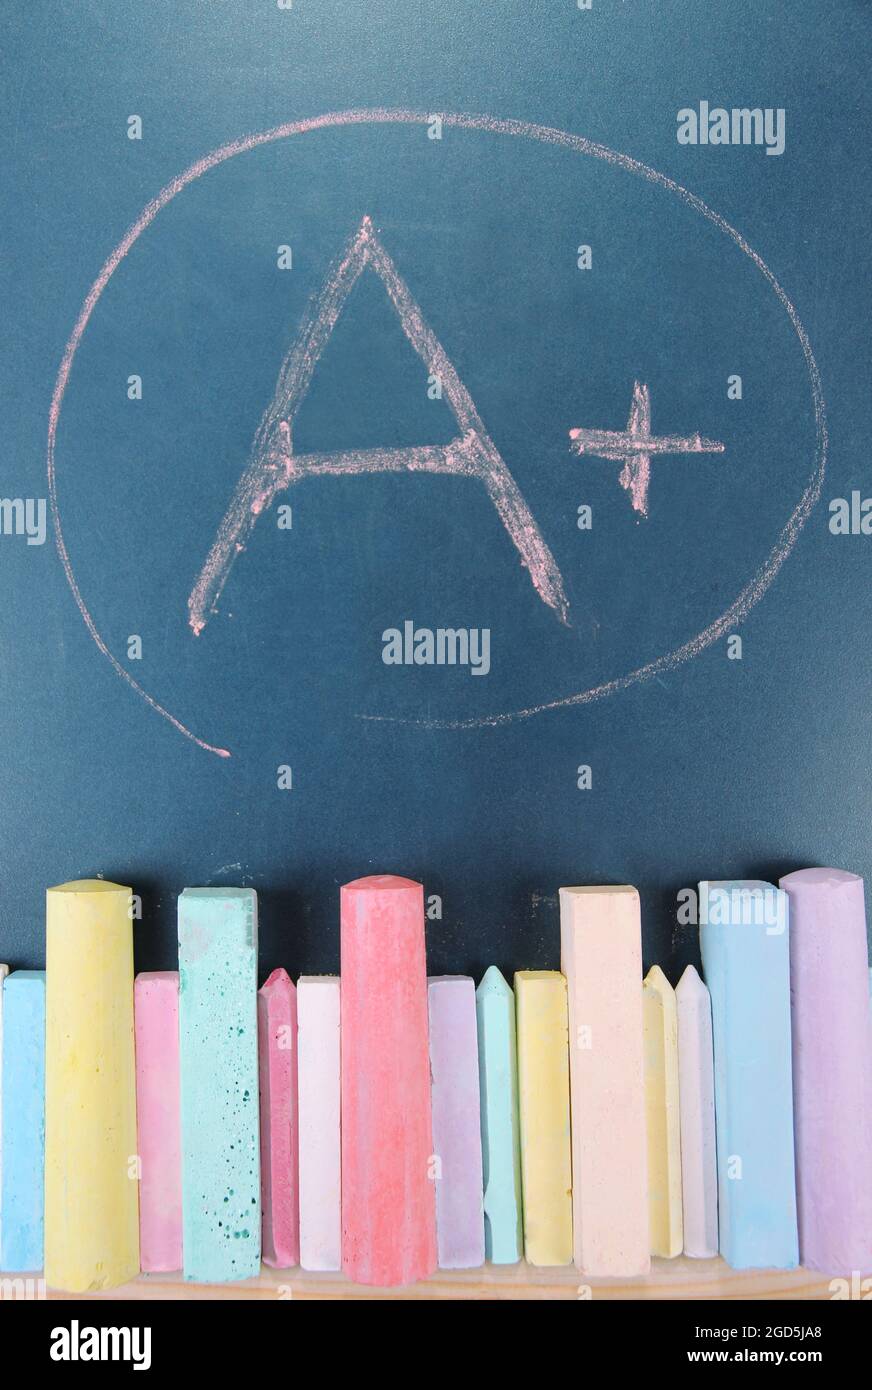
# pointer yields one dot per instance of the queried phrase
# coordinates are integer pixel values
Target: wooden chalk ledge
(679, 1279)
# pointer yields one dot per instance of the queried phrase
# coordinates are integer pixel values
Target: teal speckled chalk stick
(500, 1139)
(744, 938)
(221, 1215)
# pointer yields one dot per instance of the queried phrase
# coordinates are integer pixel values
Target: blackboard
(498, 191)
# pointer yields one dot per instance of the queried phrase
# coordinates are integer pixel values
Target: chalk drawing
(750, 594)
(634, 446)
(273, 467)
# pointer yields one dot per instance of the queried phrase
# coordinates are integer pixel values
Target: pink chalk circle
(742, 604)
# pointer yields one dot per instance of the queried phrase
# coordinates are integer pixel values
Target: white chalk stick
(318, 1078)
(696, 1082)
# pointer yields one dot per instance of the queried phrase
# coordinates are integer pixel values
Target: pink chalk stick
(156, 1027)
(832, 1069)
(279, 1154)
(456, 1122)
(388, 1197)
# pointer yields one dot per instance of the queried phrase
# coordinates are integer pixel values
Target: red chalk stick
(388, 1194)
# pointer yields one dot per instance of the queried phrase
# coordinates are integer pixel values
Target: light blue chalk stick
(500, 1136)
(221, 1210)
(23, 1120)
(744, 938)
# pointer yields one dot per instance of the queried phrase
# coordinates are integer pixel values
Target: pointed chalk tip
(279, 979)
(494, 982)
(691, 983)
(656, 980)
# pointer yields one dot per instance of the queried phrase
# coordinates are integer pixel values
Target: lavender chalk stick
(832, 1069)
(456, 1121)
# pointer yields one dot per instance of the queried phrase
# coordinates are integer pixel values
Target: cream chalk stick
(601, 957)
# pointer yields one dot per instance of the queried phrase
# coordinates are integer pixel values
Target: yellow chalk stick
(660, 1024)
(543, 1093)
(91, 1207)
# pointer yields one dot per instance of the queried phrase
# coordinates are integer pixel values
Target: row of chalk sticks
(189, 1121)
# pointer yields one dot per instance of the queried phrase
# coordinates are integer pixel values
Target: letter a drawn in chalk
(273, 467)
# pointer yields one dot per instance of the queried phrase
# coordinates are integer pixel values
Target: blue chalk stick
(500, 1136)
(23, 1129)
(744, 938)
(221, 1210)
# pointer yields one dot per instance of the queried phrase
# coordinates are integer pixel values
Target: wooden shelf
(680, 1279)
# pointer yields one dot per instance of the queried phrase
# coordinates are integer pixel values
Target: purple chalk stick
(832, 1069)
(456, 1121)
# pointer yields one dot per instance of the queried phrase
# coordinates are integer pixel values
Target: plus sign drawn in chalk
(634, 446)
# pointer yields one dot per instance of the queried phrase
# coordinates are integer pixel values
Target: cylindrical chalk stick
(832, 1069)
(388, 1196)
(91, 1206)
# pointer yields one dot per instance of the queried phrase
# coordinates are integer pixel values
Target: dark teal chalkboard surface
(333, 339)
